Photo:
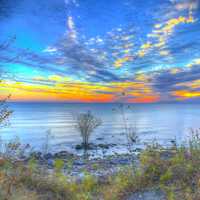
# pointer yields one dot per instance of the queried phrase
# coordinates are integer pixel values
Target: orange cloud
(185, 94)
(76, 91)
(145, 99)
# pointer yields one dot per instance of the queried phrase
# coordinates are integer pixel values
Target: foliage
(15, 150)
(59, 164)
(174, 170)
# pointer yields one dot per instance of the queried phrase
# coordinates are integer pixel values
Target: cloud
(186, 5)
(71, 2)
(156, 64)
(173, 83)
(194, 62)
(69, 58)
(72, 34)
(70, 90)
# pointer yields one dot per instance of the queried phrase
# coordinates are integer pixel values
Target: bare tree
(86, 123)
(4, 110)
(5, 113)
(130, 132)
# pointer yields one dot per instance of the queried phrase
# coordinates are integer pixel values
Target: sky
(134, 51)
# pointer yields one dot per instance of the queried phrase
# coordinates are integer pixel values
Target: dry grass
(176, 171)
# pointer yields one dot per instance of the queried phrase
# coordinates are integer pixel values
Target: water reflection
(162, 122)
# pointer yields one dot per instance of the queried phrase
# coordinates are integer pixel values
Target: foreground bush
(176, 171)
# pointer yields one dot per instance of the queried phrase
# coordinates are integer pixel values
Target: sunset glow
(81, 51)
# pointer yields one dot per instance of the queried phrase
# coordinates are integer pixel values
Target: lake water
(162, 122)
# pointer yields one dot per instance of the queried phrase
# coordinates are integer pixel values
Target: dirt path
(148, 195)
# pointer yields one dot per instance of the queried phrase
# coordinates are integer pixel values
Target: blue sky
(92, 51)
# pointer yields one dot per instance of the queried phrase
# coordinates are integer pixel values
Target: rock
(119, 161)
(20, 161)
(22, 157)
(165, 155)
(63, 155)
(48, 156)
(123, 161)
(104, 146)
(91, 146)
(99, 138)
(50, 162)
(36, 155)
(78, 147)
(148, 195)
(79, 162)
(137, 150)
(113, 162)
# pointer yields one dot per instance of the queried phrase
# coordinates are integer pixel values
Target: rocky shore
(76, 166)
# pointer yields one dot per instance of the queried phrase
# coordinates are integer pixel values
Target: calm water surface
(162, 122)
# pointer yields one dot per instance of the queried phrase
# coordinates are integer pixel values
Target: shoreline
(123, 177)
(75, 166)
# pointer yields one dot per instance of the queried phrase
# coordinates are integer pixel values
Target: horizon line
(75, 102)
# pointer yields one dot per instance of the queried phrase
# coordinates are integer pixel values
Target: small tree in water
(86, 123)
